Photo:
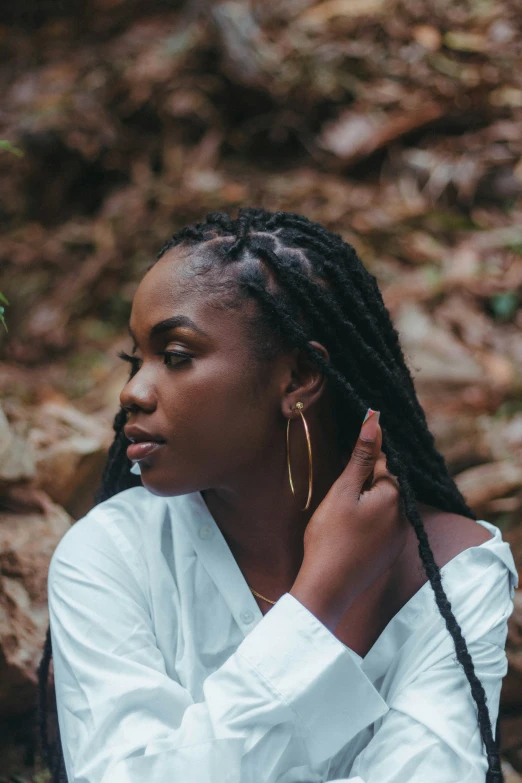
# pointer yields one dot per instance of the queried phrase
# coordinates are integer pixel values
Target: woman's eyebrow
(172, 323)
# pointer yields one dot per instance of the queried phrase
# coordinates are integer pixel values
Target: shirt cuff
(318, 676)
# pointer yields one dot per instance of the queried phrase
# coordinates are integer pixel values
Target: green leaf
(6, 145)
(2, 310)
(504, 306)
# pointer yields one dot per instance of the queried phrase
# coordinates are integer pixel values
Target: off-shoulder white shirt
(166, 670)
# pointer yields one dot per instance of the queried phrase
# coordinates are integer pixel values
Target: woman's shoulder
(456, 542)
(117, 523)
(134, 521)
(450, 534)
(478, 574)
(477, 545)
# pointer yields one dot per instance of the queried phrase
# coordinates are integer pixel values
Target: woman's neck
(259, 517)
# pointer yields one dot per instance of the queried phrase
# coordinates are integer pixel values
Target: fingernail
(369, 425)
(369, 412)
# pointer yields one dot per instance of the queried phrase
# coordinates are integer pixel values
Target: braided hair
(310, 284)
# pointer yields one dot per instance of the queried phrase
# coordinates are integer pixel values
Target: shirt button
(247, 616)
(205, 531)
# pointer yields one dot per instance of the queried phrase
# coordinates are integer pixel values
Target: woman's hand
(355, 534)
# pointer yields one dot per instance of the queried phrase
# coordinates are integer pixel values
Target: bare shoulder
(450, 534)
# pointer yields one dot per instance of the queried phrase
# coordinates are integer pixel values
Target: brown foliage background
(393, 122)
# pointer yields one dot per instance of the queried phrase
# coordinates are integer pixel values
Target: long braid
(331, 323)
(347, 313)
(344, 271)
(43, 673)
(369, 317)
(366, 285)
(362, 295)
(432, 488)
(116, 475)
(398, 467)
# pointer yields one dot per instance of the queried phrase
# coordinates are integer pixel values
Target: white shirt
(166, 670)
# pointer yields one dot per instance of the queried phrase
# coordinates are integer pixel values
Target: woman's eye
(168, 354)
(134, 361)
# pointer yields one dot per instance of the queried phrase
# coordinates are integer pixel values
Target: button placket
(205, 531)
(247, 616)
(221, 565)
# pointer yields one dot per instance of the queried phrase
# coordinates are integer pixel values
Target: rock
(483, 483)
(70, 452)
(434, 354)
(510, 774)
(27, 543)
(6, 436)
(17, 459)
(50, 451)
(511, 696)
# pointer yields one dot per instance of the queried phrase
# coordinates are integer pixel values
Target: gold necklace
(262, 596)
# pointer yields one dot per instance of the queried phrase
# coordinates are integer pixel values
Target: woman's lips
(137, 451)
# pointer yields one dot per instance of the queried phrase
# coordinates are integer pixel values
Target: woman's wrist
(318, 600)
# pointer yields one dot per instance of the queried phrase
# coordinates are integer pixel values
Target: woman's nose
(137, 394)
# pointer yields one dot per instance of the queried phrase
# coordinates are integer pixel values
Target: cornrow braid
(362, 295)
(244, 222)
(345, 311)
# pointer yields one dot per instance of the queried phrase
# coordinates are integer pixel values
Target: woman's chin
(163, 486)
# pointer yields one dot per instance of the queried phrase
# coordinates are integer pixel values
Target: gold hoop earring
(299, 406)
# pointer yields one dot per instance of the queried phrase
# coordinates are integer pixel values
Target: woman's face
(218, 410)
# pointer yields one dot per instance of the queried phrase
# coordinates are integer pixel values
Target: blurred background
(394, 123)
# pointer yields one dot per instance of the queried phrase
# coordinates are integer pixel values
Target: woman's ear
(307, 379)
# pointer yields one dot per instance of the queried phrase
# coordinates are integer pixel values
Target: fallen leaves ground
(395, 124)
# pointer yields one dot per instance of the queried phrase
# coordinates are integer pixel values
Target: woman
(267, 602)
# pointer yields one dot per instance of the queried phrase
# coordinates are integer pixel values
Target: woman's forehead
(166, 293)
(170, 279)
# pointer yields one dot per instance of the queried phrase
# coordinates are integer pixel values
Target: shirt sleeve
(431, 731)
(290, 695)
